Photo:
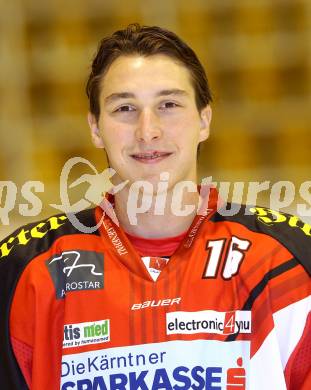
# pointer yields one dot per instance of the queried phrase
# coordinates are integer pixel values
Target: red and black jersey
(229, 310)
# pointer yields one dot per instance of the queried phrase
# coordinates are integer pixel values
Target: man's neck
(149, 224)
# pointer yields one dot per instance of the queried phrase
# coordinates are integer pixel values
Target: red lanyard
(125, 251)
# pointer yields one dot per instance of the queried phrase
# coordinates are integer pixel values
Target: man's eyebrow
(118, 95)
(126, 95)
(174, 91)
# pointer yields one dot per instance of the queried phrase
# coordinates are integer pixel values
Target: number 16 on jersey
(231, 251)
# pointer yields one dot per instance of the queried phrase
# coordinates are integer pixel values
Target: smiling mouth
(150, 157)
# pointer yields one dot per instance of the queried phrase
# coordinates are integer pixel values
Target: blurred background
(257, 55)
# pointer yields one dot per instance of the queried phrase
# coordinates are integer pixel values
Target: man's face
(149, 122)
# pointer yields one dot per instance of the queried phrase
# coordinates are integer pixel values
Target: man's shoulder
(289, 230)
(34, 238)
(16, 252)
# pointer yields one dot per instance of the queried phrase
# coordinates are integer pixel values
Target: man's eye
(125, 108)
(168, 105)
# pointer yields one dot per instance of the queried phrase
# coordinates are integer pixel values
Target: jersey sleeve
(22, 322)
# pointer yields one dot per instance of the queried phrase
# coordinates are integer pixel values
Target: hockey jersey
(229, 310)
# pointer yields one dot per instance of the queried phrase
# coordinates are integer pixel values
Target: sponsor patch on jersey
(86, 333)
(196, 364)
(76, 270)
(156, 303)
(208, 321)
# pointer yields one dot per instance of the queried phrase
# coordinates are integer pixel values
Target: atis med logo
(76, 270)
(85, 333)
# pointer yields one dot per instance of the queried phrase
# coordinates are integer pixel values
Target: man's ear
(95, 132)
(206, 117)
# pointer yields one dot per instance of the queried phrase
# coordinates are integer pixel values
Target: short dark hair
(145, 41)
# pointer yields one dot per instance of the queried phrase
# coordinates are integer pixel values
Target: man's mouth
(150, 157)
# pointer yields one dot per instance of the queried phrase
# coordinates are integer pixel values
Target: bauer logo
(76, 271)
(208, 321)
(85, 333)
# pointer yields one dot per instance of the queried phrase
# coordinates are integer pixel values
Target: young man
(180, 298)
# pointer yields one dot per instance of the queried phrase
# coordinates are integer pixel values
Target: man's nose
(148, 126)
